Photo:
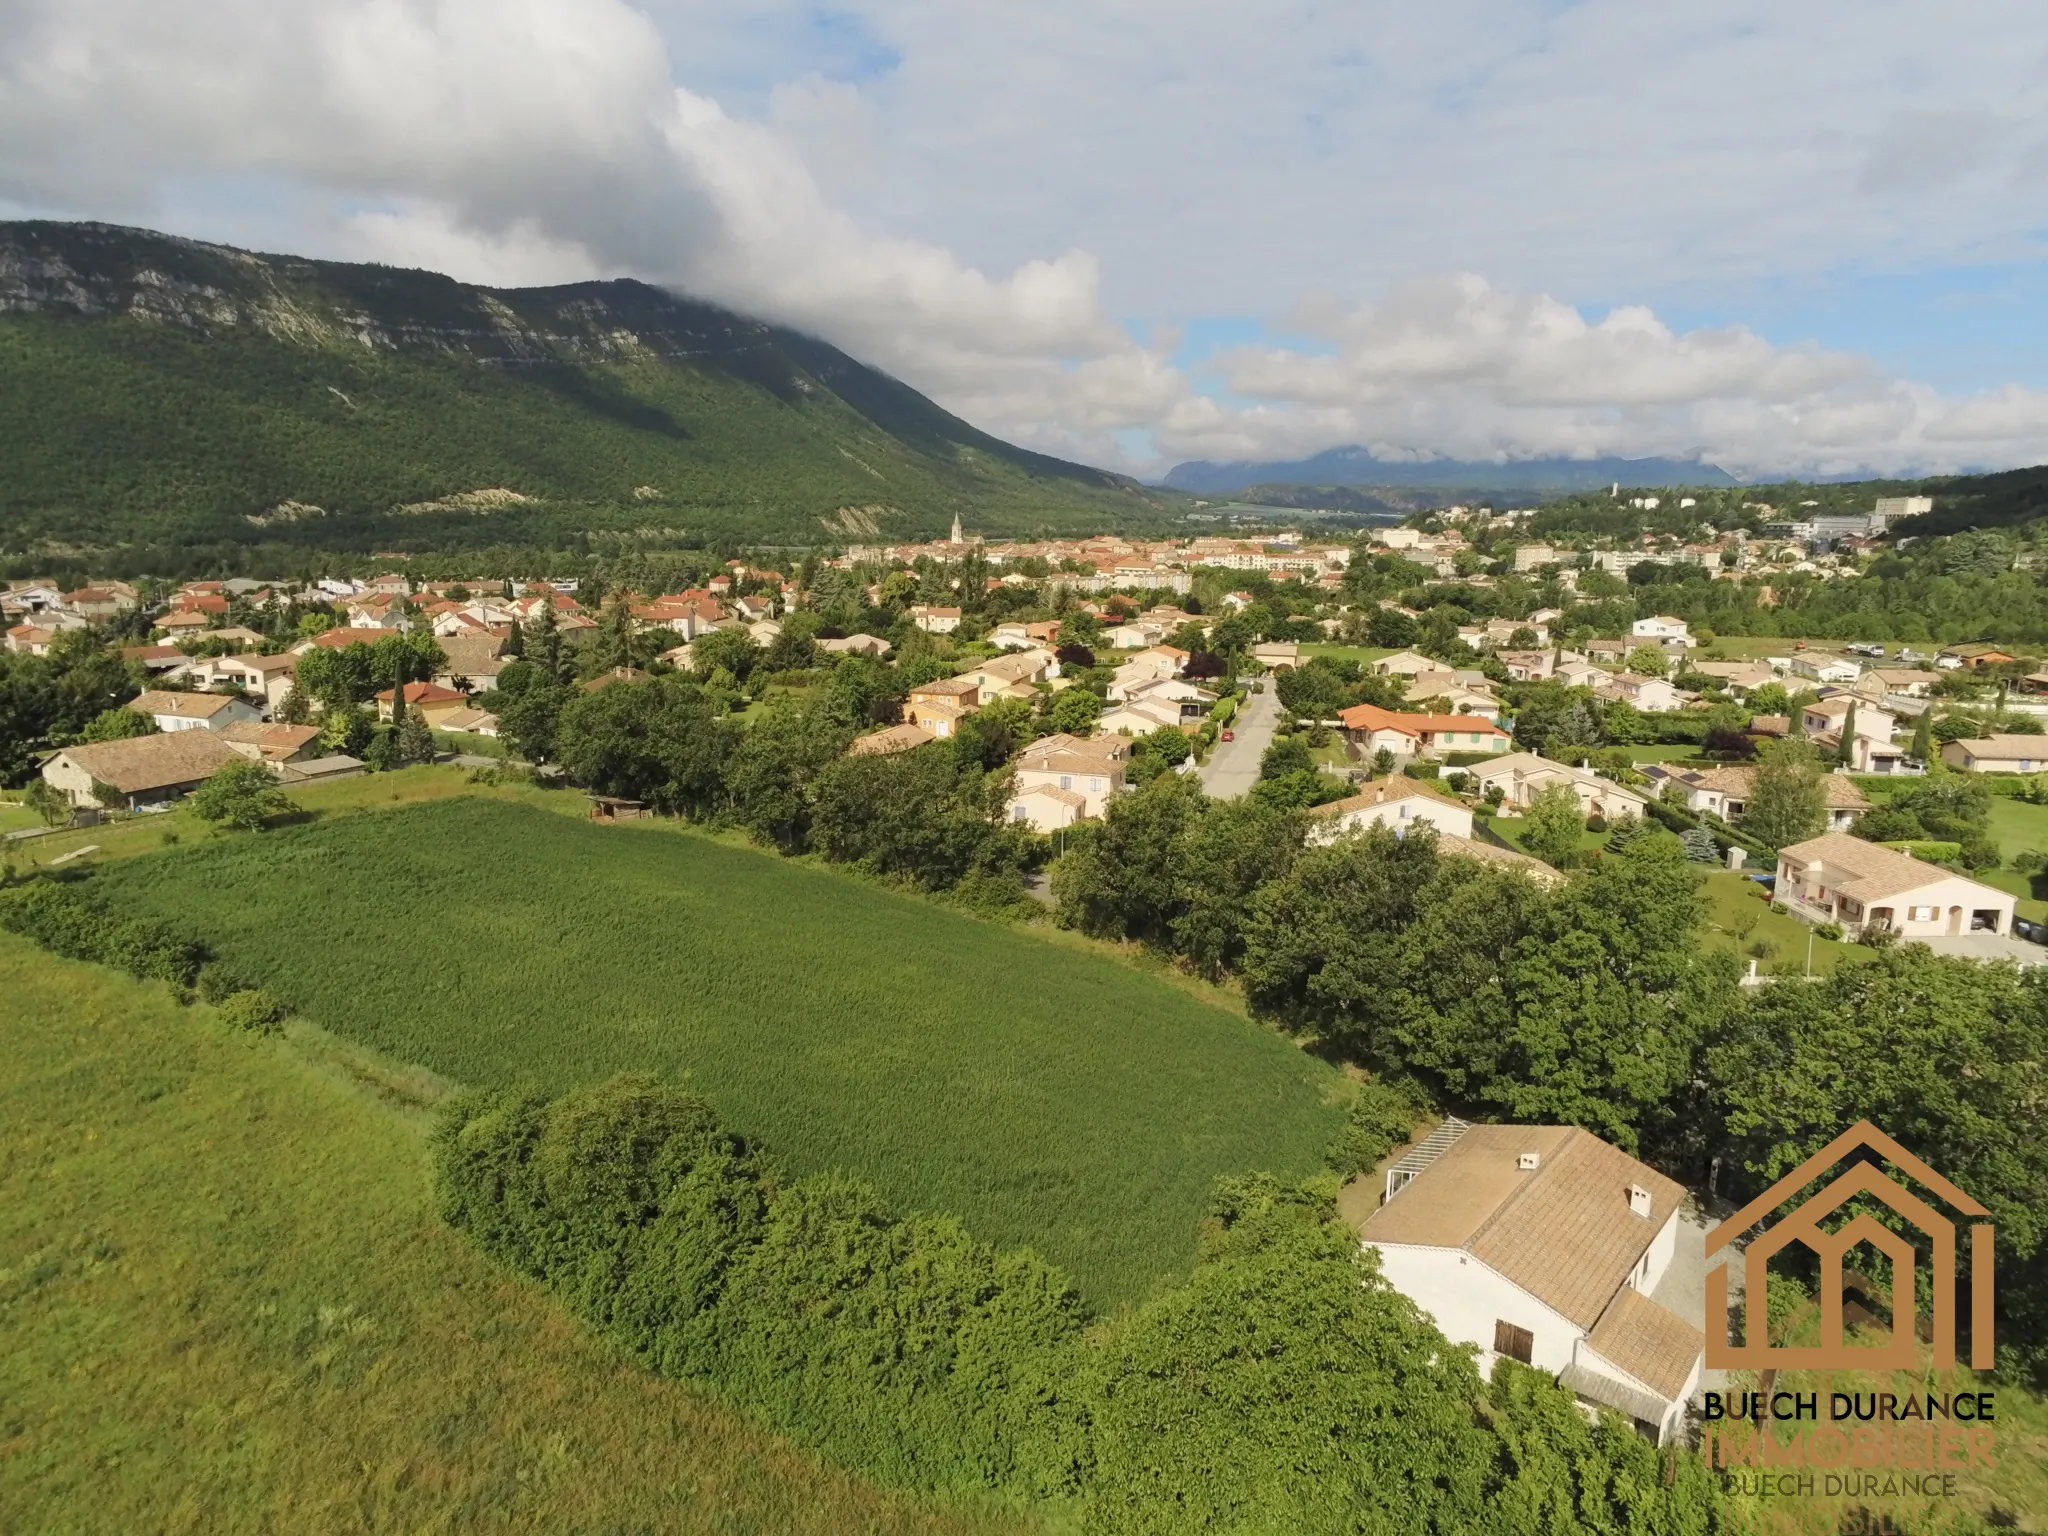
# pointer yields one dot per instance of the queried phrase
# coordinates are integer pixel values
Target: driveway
(1233, 768)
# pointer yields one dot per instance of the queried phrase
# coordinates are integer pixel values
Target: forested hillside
(159, 390)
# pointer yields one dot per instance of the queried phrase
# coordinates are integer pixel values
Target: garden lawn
(1047, 1097)
(1739, 917)
(1361, 653)
(227, 1304)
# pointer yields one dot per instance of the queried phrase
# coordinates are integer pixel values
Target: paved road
(1233, 768)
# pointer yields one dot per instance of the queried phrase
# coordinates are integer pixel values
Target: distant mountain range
(157, 391)
(1359, 468)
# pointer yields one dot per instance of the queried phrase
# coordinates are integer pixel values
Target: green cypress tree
(1847, 752)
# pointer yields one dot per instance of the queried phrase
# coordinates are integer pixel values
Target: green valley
(157, 392)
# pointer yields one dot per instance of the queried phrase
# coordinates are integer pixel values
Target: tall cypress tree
(1847, 752)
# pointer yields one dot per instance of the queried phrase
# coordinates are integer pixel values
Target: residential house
(160, 659)
(273, 744)
(1726, 792)
(1277, 655)
(1406, 664)
(140, 770)
(1149, 665)
(184, 624)
(1907, 682)
(430, 701)
(1530, 557)
(1012, 676)
(97, 603)
(1737, 677)
(935, 621)
(1661, 629)
(1650, 695)
(30, 639)
(194, 711)
(1872, 750)
(1825, 667)
(854, 645)
(1134, 634)
(897, 738)
(1997, 754)
(1522, 776)
(340, 639)
(472, 663)
(1452, 697)
(269, 678)
(1544, 1244)
(1018, 635)
(1835, 878)
(941, 705)
(1410, 736)
(1577, 672)
(1974, 654)
(1395, 802)
(602, 680)
(1062, 779)
(1528, 666)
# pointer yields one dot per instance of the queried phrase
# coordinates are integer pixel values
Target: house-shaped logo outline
(1803, 1225)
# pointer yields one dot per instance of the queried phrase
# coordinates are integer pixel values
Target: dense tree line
(1594, 1002)
(1284, 1383)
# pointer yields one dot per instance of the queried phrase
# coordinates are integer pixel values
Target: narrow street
(1233, 768)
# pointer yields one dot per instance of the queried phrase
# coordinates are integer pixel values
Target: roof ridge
(1575, 1137)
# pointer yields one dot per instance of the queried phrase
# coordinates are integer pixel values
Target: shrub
(1381, 1118)
(68, 921)
(1831, 931)
(252, 1009)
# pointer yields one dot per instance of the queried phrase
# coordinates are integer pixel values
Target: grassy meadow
(227, 1304)
(1048, 1097)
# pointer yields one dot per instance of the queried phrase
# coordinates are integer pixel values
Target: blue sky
(1797, 238)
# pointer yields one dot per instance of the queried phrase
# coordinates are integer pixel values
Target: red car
(1230, 735)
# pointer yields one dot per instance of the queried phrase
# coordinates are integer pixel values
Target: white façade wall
(1659, 1255)
(1466, 1298)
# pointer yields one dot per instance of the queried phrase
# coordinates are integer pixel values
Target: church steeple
(958, 537)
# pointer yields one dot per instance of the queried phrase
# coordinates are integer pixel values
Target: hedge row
(63, 917)
(1283, 1386)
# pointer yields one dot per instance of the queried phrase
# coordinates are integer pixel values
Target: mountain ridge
(1357, 467)
(164, 387)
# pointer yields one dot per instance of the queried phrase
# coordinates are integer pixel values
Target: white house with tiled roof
(1835, 878)
(1543, 1244)
(1396, 802)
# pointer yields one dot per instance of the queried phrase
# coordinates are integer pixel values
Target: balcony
(1813, 912)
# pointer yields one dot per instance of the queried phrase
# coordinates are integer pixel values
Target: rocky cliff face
(103, 271)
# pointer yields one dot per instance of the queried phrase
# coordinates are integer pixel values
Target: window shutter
(1515, 1343)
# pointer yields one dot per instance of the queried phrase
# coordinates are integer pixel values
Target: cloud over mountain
(532, 140)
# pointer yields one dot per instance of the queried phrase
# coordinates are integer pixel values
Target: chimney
(1639, 1201)
(1529, 1161)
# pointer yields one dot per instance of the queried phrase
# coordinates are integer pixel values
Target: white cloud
(967, 195)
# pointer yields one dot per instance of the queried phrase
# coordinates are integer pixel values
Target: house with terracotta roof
(430, 701)
(897, 738)
(1997, 754)
(1725, 792)
(1835, 878)
(1062, 779)
(140, 770)
(1421, 736)
(935, 621)
(173, 712)
(1396, 802)
(184, 622)
(1544, 1244)
(1522, 776)
(942, 704)
(273, 744)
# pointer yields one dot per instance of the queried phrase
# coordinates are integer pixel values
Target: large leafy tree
(770, 772)
(1787, 802)
(1554, 823)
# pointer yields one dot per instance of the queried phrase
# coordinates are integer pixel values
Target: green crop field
(1047, 1097)
(227, 1304)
